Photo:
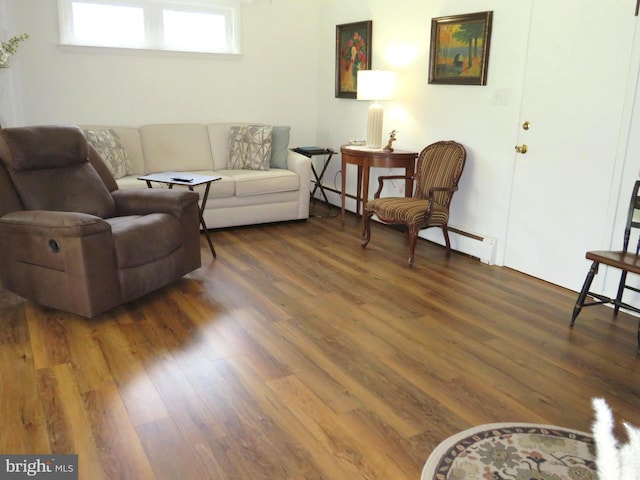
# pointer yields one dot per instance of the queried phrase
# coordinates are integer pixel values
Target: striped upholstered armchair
(436, 179)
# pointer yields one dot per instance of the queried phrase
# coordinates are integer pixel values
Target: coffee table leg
(202, 222)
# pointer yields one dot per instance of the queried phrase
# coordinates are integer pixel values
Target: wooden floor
(298, 355)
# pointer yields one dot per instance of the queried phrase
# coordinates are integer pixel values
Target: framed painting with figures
(353, 53)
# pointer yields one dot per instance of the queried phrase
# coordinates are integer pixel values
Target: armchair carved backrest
(439, 165)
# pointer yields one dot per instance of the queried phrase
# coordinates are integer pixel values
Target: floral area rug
(514, 451)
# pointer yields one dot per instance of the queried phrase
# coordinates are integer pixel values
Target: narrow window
(190, 26)
(113, 25)
(204, 32)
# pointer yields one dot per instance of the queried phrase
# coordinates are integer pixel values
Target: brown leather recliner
(69, 239)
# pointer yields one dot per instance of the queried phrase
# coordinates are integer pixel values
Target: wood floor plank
(267, 450)
(168, 453)
(68, 421)
(251, 347)
(139, 395)
(296, 354)
(47, 334)
(186, 407)
(20, 408)
(328, 429)
(323, 385)
(117, 441)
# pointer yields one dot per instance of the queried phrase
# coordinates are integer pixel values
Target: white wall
(424, 113)
(274, 81)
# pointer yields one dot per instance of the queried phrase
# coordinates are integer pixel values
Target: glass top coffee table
(189, 180)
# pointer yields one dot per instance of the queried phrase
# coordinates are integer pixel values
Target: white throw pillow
(249, 147)
(108, 146)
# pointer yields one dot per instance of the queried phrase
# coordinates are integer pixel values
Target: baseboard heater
(473, 244)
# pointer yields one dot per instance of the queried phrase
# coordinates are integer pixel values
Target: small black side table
(317, 181)
(190, 180)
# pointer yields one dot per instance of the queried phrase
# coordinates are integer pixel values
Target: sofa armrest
(47, 223)
(301, 165)
(143, 201)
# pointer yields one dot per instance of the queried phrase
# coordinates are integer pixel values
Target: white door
(574, 92)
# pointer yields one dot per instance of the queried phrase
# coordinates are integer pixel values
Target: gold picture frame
(460, 49)
(353, 53)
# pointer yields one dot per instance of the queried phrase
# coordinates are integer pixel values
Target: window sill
(97, 49)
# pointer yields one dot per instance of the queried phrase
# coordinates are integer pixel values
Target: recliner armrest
(45, 222)
(140, 201)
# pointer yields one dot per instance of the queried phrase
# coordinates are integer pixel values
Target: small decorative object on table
(392, 138)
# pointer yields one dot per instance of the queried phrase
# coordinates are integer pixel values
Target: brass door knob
(526, 125)
(522, 149)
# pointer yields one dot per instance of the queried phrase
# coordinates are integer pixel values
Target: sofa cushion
(129, 138)
(131, 181)
(249, 147)
(279, 146)
(225, 187)
(219, 141)
(176, 147)
(252, 182)
(109, 147)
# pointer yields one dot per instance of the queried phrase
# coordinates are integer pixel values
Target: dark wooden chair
(436, 179)
(624, 260)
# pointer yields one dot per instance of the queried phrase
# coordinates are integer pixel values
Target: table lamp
(375, 85)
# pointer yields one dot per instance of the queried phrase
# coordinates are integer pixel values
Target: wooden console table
(367, 158)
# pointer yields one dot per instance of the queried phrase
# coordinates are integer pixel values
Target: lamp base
(374, 126)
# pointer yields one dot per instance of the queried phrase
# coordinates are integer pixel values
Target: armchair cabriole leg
(445, 232)
(366, 231)
(412, 233)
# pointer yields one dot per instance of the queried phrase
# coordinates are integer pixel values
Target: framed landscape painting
(460, 49)
(353, 53)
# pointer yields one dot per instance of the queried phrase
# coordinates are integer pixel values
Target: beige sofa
(241, 197)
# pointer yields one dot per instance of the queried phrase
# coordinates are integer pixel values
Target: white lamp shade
(376, 84)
